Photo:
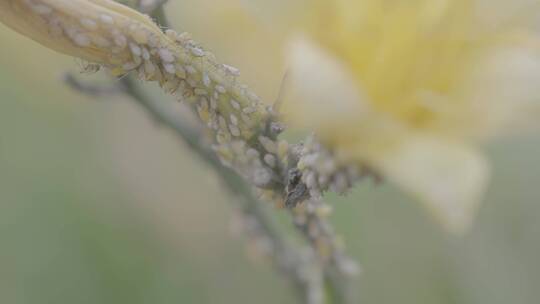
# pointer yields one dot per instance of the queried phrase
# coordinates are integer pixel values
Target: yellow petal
(449, 178)
(326, 95)
(503, 91)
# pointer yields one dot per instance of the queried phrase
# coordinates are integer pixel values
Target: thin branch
(291, 261)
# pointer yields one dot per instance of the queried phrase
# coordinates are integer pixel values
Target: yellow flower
(412, 88)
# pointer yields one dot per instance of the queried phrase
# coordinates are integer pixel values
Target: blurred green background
(98, 204)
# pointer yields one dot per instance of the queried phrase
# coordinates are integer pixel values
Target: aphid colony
(322, 171)
(234, 116)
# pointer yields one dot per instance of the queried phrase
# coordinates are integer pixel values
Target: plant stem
(290, 260)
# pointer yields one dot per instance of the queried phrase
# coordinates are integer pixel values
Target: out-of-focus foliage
(98, 205)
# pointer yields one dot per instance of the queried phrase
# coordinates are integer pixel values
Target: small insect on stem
(232, 71)
(88, 67)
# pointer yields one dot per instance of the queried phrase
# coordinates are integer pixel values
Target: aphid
(89, 24)
(200, 92)
(270, 160)
(262, 177)
(128, 66)
(88, 67)
(101, 41)
(206, 80)
(149, 68)
(204, 102)
(234, 119)
(180, 72)
(249, 110)
(40, 9)
(190, 69)
(213, 103)
(171, 85)
(106, 19)
(268, 144)
(222, 137)
(222, 122)
(169, 68)
(221, 89)
(166, 55)
(231, 70)
(235, 131)
(139, 35)
(183, 37)
(252, 153)
(135, 49)
(253, 97)
(55, 26)
(198, 52)
(81, 40)
(324, 180)
(171, 34)
(145, 53)
(120, 40)
(192, 82)
(310, 179)
(246, 118)
(235, 104)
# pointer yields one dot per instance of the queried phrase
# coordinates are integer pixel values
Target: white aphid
(235, 131)
(106, 19)
(221, 89)
(166, 55)
(169, 68)
(82, 40)
(232, 70)
(135, 49)
(235, 104)
(234, 119)
(206, 80)
(89, 24)
(196, 51)
(270, 160)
